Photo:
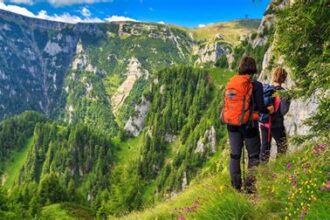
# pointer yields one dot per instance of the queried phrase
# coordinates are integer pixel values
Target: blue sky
(189, 13)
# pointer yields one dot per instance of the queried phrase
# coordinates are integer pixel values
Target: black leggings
(279, 135)
(237, 137)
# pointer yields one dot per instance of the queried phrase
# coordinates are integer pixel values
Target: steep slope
(34, 60)
(92, 73)
(296, 186)
(76, 164)
(15, 132)
(181, 134)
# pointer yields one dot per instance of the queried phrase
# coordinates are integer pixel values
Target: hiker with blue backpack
(272, 125)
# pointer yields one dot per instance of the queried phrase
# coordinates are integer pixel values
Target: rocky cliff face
(135, 124)
(302, 108)
(210, 52)
(33, 63)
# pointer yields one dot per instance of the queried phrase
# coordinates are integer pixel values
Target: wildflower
(182, 217)
(187, 210)
(289, 165)
(273, 175)
(293, 181)
(320, 148)
(326, 186)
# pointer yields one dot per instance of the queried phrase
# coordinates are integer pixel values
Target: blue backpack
(269, 90)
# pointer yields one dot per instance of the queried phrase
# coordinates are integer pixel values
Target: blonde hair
(279, 75)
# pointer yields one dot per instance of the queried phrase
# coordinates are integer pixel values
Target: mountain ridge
(24, 18)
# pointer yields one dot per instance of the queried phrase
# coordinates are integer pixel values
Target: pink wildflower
(326, 187)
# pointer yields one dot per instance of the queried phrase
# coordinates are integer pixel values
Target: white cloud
(60, 3)
(66, 17)
(119, 18)
(26, 2)
(16, 9)
(85, 12)
(161, 22)
(201, 25)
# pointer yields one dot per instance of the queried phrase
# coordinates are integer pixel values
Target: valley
(120, 120)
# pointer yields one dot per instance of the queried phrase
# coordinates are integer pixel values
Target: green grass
(283, 192)
(128, 150)
(15, 163)
(220, 76)
(65, 211)
(55, 212)
(231, 31)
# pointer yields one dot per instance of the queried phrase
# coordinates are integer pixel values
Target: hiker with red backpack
(272, 126)
(243, 103)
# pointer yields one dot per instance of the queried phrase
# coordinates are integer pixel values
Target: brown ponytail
(279, 75)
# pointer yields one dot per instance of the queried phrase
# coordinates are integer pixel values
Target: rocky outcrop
(81, 61)
(135, 124)
(208, 141)
(210, 52)
(300, 110)
(134, 72)
(184, 181)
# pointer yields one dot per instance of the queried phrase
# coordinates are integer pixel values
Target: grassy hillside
(14, 165)
(230, 31)
(295, 186)
(66, 211)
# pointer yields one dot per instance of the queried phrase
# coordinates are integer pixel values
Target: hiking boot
(249, 185)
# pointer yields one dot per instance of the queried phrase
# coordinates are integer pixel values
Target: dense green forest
(64, 164)
(76, 164)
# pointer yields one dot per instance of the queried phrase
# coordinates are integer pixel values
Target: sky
(188, 13)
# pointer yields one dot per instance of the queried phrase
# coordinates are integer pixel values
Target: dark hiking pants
(278, 133)
(238, 136)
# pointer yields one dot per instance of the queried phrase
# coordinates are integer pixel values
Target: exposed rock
(208, 141)
(134, 72)
(81, 61)
(266, 24)
(300, 110)
(175, 40)
(184, 181)
(170, 137)
(135, 124)
(210, 52)
(230, 59)
(162, 89)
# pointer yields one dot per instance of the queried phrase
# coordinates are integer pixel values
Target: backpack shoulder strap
(277, 103)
